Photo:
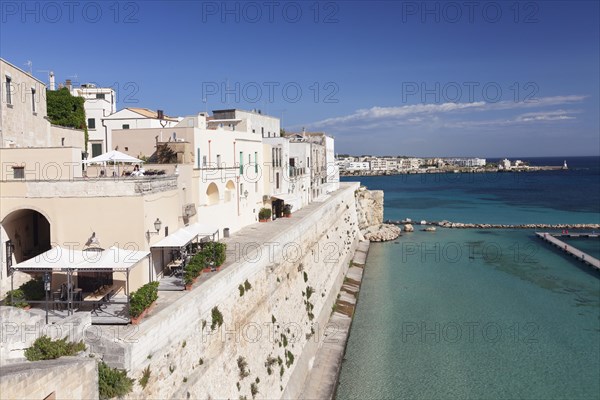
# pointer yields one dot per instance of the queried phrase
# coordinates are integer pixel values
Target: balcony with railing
(89, 187)
(296, 171)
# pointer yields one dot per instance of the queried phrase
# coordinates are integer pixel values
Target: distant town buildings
(211, 171)
(392, 165)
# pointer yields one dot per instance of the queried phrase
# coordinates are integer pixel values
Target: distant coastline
(464, 170)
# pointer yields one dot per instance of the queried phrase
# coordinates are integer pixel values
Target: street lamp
(47, 287)
(157, 226)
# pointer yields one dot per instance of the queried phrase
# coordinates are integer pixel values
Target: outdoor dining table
(77, 296)
(176, 267)
(99, 298)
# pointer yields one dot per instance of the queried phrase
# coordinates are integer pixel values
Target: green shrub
(113, 382)
(34, 289)
(243, 367)
(254, 389)
(289, 358)
(145, 377)
(217, 318)
(247, 285)
(142, 298)
(16, 298)
(241, 289)
(309, 291)
(287, 209)
(45, 348)
(264, 213)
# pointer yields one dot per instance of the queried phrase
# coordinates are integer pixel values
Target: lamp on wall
(246, 194)
(157, 226)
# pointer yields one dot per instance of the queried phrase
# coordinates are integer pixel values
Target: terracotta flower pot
(263, 220)
(138, 319)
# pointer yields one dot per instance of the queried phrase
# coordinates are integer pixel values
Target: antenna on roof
(30, 65)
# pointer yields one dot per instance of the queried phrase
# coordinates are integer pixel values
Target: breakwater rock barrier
(467, 225)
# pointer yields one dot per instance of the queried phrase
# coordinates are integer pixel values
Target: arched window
(212, 194)
(229, 191)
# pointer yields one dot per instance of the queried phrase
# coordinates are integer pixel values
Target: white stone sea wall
(189, 360)
(369, 206)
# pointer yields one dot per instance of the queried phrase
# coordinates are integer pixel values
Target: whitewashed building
(99, 104)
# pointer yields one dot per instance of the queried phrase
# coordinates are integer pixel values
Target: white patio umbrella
(115, 157)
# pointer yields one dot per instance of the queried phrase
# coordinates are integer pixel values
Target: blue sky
(478, 78)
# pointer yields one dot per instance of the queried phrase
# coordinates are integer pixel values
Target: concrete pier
(586, 258)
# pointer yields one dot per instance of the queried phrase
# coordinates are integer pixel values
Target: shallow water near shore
(478, 314)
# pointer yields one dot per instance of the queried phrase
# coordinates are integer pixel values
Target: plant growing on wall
(45, 348)
(113, 382)
(217, 318)
(145, 377)
(254, 389)
(289, 358)
(243, 367)
(66, 110)
(269, 364)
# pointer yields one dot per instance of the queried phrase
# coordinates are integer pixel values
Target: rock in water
(408, 228)
(381, 233)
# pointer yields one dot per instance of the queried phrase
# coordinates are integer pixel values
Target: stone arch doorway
(29, 233)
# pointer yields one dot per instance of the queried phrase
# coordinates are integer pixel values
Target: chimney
(160, 114)
(68, 84)
(52, 83)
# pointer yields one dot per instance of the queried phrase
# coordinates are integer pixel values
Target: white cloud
(418, 114)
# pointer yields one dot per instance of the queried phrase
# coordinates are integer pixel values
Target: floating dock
(580, 255)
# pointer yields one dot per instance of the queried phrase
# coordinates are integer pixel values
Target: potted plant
(287, 210)
(141, 301)
(264, 214)
(193, 269)
(16, 298)
(188, 279)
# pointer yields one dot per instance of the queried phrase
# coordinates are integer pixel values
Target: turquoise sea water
(477, 314)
